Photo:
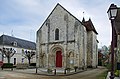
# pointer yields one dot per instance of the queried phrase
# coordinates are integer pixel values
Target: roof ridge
(8, 40)
(17, 38)
(62, 8)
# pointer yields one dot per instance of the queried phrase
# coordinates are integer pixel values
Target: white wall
(18, 55)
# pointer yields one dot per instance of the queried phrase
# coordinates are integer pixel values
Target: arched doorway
(56, 53)
(58, 59)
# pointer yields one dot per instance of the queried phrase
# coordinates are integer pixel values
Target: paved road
(90, 74)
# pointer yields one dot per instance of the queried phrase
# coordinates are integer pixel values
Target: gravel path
(90, 74)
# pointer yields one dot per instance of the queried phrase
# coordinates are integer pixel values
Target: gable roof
(89, 25)
(9, 40)
(62, 8)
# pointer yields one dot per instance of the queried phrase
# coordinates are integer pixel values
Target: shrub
(68, 69)
(117, 73)
(7, 65)
(108, 66)
(49, 70)
(32, 64)
(75, 67)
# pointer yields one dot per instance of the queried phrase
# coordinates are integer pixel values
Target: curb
(59, 74)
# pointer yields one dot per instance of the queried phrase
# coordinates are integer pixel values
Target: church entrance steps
(57, 71)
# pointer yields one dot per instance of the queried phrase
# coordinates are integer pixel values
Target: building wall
(18, 55)
(95, 51)
(89, 49)
(78, 46)
(118, 49)
(72, 40)
(92, 51)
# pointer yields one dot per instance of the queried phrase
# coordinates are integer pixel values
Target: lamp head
(112, 11)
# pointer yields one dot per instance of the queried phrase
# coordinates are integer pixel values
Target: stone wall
(72, 40)
(79, 47)
(92, 51)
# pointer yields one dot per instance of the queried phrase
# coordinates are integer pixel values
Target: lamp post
(112, 11)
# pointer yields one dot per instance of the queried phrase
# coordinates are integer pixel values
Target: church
(63, 41)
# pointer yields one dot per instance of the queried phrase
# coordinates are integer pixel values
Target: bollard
(55, 71)
(75, 67)
(36, 69)
(65, 71)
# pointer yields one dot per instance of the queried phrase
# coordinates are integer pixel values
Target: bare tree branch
(8, 52)
(28, 54)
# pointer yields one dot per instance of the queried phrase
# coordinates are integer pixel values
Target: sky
(22, 18)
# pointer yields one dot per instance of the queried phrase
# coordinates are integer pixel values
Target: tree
(28, 54)
(8, 52)
(104, 50)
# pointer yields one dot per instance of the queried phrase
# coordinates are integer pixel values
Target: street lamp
(112, 12)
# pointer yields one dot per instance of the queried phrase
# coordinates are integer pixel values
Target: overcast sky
(22, 18)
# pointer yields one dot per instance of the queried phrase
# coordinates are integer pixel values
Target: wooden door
(58, 59)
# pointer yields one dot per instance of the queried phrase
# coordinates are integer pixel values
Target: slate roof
(89, 25)
(8, 40)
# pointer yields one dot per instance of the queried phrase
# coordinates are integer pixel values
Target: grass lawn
(102, 75)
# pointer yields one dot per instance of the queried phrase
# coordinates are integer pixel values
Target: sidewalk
(109, 76)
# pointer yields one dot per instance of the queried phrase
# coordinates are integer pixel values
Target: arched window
(57, 34)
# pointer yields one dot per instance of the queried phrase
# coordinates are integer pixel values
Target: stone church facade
(62, 41)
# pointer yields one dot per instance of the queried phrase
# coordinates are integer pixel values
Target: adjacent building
(18, 45)
(116, 36)
(63, 41)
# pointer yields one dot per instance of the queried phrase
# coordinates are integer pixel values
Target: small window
(57, 34)
(14, 43)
